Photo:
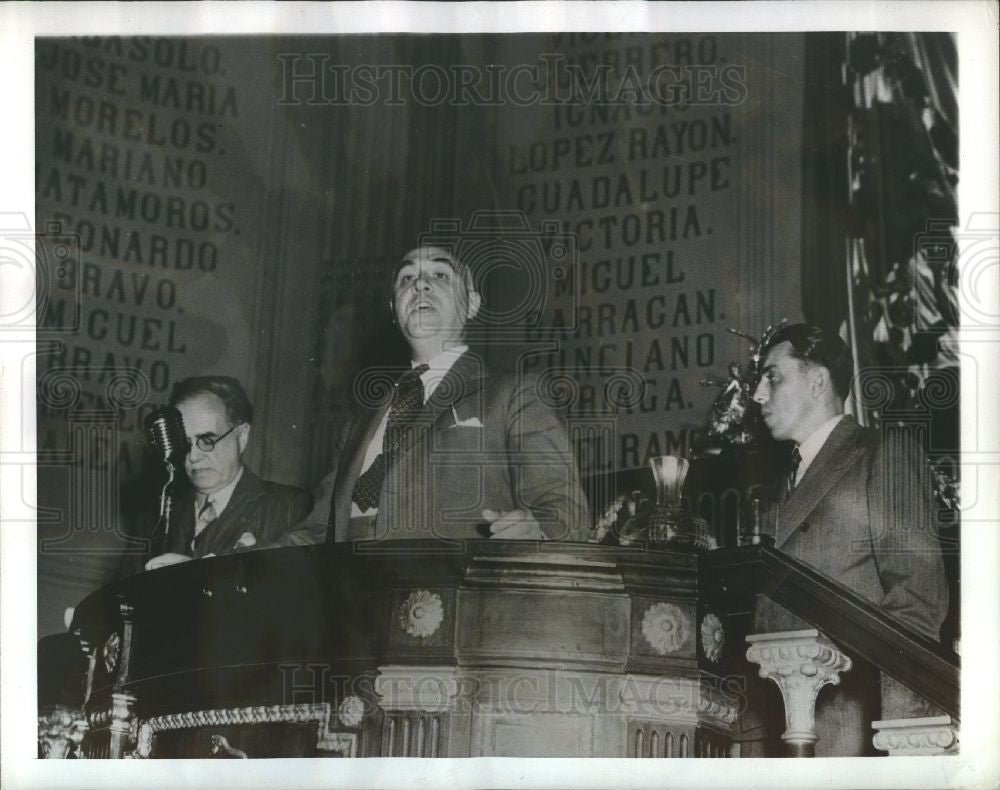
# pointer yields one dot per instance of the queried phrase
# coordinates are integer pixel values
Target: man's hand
(513, 525)
(170, 558)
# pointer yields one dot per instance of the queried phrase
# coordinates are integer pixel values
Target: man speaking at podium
(460, 450)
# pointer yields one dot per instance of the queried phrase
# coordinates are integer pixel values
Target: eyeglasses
(206, 442)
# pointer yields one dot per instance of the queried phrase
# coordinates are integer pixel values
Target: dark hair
(812, 345)
(227, 389)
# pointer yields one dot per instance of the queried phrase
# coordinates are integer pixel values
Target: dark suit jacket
(484, 441)
(260, 507)
(863, 515)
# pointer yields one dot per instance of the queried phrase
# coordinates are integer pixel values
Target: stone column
(122, 706)
(801, 663)
(417, 703)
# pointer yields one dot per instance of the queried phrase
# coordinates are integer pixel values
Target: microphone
(166, 433)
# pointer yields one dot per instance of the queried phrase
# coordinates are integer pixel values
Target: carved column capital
(60, 732)
(906, 737)
(417, 688)
(801, 663)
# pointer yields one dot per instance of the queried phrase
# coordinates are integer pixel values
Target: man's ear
(475, 302)
(392, 310)
(819, 378)
(243, 437)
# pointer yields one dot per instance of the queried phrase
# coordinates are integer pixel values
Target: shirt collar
(810, 448)
(438, 367)
(220, 498)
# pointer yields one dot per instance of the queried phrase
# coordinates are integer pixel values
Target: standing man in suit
(224, 507)
(456, 449)
(856, 506)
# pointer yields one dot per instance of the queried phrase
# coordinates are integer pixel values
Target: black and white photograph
(535, 380)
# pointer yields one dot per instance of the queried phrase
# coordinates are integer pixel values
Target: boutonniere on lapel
(472, 422)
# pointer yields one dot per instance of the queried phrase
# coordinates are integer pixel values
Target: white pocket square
(246, 541)
(472, 422)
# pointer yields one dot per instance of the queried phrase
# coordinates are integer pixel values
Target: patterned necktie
(206, 516)
(793, 473)
(407, 401)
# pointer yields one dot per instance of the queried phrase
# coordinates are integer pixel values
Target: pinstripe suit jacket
(260, 507)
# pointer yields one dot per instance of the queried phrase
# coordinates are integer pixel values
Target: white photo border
(976, 26)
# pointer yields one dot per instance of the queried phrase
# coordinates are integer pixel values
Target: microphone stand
(165, 429)
(161, 533)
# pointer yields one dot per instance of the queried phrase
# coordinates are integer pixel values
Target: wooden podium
(493, 648)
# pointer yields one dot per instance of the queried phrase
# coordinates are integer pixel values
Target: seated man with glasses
(223, 507)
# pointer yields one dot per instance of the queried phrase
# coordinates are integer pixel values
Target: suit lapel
(834, 459)
(362, 430)
(463, 379)
(221, 535)
(181, 522)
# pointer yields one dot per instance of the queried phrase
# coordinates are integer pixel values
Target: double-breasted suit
(484, 440)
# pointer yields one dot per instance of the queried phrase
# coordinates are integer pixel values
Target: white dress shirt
(437, 368)
(220, 499)
(810, 448)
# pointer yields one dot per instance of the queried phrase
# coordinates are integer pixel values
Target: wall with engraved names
(229, 214)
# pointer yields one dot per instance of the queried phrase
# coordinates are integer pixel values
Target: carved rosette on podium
(497, 648)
